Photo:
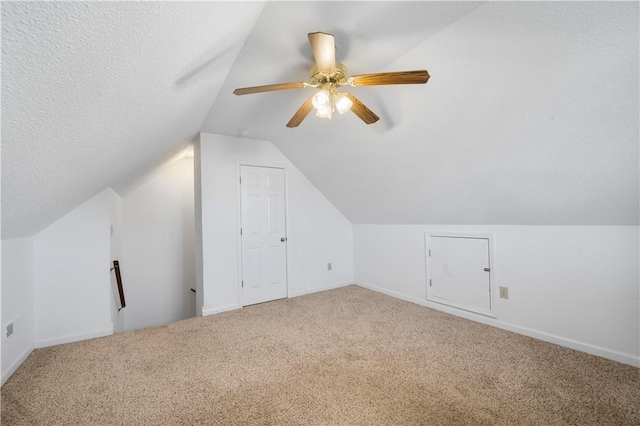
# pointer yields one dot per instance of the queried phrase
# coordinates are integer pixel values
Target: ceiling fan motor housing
(336, 78)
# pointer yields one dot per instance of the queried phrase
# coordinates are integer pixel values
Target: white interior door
(460, 273)
(263, 239)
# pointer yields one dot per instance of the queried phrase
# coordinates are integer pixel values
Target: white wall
(197, 205)
(17, 303)
(317, 232)
(577, 286)
(115, 249)
(157, 265)
(72, 286)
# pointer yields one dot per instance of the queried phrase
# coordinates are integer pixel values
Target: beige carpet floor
(348, 356)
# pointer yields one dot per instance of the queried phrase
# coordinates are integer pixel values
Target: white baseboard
(17, 364)
(211, 311)
(540, 335)
(75, 338)
(329, 287)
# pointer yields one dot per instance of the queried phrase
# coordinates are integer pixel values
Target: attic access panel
(459, 272)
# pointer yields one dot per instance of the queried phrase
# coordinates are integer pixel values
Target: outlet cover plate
(504, 292)
(9, 329)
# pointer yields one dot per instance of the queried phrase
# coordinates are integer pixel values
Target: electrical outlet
(329, 267)
(9, 329)
(504, 292)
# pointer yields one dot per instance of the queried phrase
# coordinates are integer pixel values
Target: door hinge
(241, 179)
(242, 283)
(429, 252)
(240, 231)
(429, 282)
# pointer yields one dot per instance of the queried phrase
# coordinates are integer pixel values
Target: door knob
(283, 239)
(487, 269)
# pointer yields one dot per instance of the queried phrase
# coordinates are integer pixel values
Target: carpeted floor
(341, 357)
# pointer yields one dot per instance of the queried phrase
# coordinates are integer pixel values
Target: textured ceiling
(95, 94)
(530, 117)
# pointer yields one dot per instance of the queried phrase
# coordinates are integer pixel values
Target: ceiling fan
(328, 75)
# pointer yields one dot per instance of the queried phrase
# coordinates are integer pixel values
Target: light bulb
(343, 103)
(321, 100)
(324, 112)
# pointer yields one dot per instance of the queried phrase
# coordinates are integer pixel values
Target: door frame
(493, 299)
(268, 165)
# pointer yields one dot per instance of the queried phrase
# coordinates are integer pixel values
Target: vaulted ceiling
(530, 117)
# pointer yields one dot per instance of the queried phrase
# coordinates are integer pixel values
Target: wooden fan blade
(399, 77)
(268, 88)
(301, 113)
(361, 110)
(324, 50)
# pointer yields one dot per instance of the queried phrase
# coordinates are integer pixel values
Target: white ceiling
(95, 94)
(530, 117)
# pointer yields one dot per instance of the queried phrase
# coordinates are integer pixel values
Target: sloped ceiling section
(530, 117)
(95, 94)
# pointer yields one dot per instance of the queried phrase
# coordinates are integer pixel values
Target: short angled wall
(576, 286)
(71, 275)
(17, 303)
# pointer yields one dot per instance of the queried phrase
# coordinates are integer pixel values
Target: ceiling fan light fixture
(342, 102)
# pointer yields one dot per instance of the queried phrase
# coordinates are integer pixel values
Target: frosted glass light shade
(321, 100)
(324, 112)
(342, 102)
